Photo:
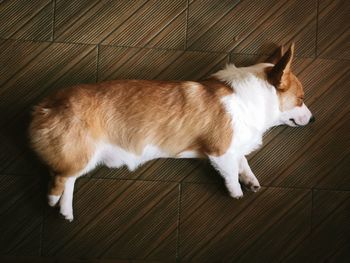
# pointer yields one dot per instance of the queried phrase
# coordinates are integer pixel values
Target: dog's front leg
(66, 201)
(247, 177)
(228, 166)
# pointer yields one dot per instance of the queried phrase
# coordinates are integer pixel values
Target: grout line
(160, 48)
(42, 231)
(186, 29)
(43, 215)
(53, 20)
(193, 183)
(97, 61)
(178, 224)
(312, 213)
(317, 17)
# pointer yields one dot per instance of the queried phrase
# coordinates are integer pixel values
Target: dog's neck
(254, 102)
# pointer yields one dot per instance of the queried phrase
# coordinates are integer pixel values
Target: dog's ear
(276, 56)
(276, 74)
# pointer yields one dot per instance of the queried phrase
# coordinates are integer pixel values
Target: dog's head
(289, 89)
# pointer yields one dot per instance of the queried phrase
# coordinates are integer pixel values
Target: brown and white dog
(129, 122)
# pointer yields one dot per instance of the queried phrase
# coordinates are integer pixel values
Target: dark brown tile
(291, 155)
(21, 215)
(33, 70)
(120, 220)
(316, 166)
(264, 226)
(251, 28)
(137, 23)
(116, 219)
(242, 60)
(170, 170)
(203, 173)
(329, 240)
(31, 20)
(337, 176)
(333, 31)
(17, 259)
(136, 63)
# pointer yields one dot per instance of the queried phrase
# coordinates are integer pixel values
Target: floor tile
(136, 63)
(31, 20)
(21, 212)
(116, 219)
(137, 23)
(333, 32)
(263, 226)
(33, 70)
(248, 28)
(329, 240)
(171, 210)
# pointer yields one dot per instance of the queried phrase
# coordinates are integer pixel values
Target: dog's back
(69, 127)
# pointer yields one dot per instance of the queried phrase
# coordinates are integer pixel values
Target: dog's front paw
(253, 186)
(251, 183)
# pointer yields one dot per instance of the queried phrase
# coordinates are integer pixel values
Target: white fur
(114, 156)
(66, 201)
(188, 154)
(254, 108)
(53, 199)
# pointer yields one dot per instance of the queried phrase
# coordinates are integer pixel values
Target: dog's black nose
(312, 119)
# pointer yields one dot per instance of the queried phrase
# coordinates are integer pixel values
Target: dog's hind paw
(53, 199)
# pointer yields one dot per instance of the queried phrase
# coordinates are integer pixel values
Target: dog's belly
(115, 157)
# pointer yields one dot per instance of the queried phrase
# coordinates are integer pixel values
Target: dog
(129, 122)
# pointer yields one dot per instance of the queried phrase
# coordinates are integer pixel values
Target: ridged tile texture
(177, 210)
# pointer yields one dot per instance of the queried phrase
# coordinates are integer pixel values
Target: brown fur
(290, 90)
(129, 114)
(57, 184)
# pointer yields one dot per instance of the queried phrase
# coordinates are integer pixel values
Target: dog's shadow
(18, 160)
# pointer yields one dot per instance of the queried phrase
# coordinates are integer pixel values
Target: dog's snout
(312, 119)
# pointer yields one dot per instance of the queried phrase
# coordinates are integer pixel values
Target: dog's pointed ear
(276, 56)
(282, 67)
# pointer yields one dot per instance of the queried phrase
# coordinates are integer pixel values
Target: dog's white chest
(246, 140)
(246, 137)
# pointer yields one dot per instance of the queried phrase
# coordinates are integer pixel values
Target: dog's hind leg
(247, 177)
(56, 187)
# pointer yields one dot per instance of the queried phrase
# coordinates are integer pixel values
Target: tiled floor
(178, 210)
